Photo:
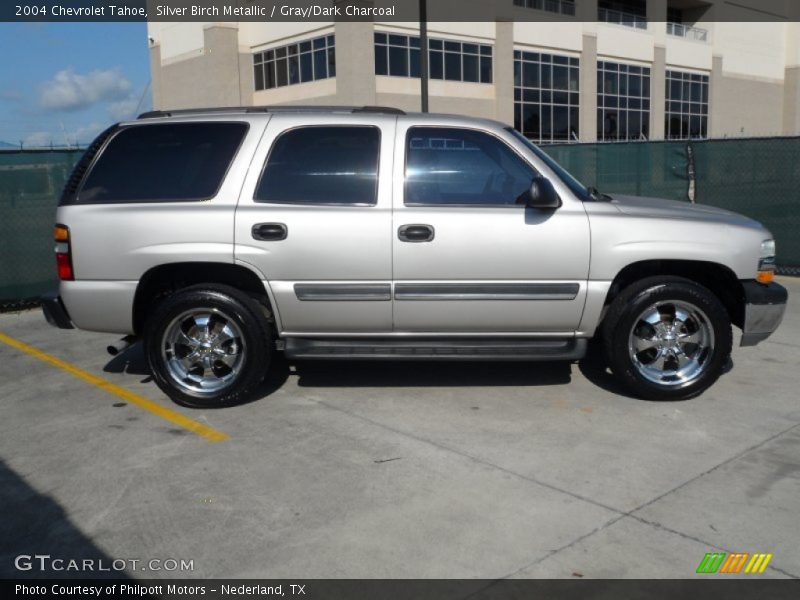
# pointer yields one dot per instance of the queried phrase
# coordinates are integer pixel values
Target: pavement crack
(555, 551)
(714, 468)
(686, 536)
(620, 514)
(469, 456)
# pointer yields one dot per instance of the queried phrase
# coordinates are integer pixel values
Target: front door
(315, 219)
(468, 257)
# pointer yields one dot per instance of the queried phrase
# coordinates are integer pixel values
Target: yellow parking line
(168, 415)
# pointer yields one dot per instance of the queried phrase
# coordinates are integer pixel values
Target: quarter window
(177, 162)
(463, 167)
(322, 165)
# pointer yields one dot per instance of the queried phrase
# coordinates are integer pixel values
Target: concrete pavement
(400, 470)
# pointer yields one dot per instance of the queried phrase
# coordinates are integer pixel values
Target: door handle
(415, 233)
(269, 232)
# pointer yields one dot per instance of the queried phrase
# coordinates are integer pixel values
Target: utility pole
(423, 53)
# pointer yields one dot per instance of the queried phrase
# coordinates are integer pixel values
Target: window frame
(406, 147)
(618, 97)
(436, 49)
(522, 91)
(120, 129)
(703, 115)
(295, 50)
(284, 132)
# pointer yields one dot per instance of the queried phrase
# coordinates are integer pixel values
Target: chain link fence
(30, 184)
(756, 177)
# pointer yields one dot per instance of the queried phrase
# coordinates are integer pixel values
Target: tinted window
(164, 163)
(461, 166)
(322, 165)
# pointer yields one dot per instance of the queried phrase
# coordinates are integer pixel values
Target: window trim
(255, 199)
(120, 129)
(460, 205)
(327, 48)
(705, 83)
(479, 55)
(602, 109)
(540, 89)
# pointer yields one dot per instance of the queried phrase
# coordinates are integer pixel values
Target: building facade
(585, 70)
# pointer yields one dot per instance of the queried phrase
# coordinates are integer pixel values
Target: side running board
(441, 349)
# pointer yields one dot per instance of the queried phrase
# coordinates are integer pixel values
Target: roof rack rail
(386, 110)
(155, 114)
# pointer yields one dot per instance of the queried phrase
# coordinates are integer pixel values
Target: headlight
(766, 262)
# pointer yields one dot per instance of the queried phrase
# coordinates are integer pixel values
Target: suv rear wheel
(208, 346)
(667, 338)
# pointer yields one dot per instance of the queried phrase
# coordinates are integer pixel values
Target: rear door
(314, 218)
(468, 257)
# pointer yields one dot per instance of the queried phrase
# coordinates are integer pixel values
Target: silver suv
(223, 236)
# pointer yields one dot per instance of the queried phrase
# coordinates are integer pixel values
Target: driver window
(453, 166)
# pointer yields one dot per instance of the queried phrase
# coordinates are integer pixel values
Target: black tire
(249, 344)
(624, 313)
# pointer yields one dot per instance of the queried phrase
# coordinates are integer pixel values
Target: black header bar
(712, 587)
(373, 10)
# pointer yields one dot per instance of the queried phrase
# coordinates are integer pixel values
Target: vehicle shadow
(344, 373)
(132, 361)
(593, 366)
(35, 524)
(430, 374)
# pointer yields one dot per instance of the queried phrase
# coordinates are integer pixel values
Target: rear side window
(176, 162)
(322, 165)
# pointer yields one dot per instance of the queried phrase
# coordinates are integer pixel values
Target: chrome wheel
(671, 343)
(203, 350)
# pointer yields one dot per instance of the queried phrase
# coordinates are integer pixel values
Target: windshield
(573, 184)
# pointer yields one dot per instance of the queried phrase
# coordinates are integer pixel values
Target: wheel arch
(166, 279)
(718, 278)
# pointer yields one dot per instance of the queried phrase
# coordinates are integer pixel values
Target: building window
(399, 56)
(623, 102)
(687, 106)
(302, 62)
(564, 7)
(546, 96)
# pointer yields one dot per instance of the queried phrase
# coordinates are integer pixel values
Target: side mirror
(542, 195)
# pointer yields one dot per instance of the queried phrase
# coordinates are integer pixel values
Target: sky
(65, 82)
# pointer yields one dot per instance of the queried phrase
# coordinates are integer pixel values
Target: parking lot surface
(399, 470)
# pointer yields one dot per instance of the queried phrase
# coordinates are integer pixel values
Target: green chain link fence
(756, 177)
(30, 184)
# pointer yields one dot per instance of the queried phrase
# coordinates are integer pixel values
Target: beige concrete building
(584, 70)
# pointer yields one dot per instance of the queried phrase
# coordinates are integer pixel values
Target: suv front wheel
(667, 338)
(208, 346)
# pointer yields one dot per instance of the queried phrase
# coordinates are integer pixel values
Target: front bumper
(54, 311)
(763, 310)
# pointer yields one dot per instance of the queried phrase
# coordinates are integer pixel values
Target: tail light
(63, 253)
